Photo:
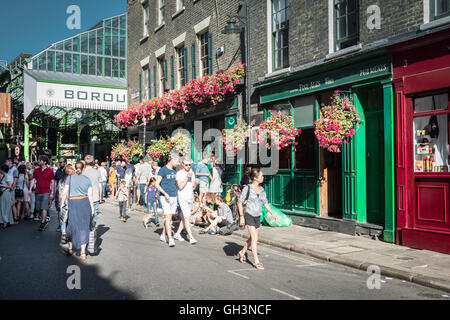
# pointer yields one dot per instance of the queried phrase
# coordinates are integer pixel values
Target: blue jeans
(154, 206)
(104, 189)
(141, 187)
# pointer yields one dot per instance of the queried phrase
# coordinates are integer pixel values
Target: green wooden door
(375, 167)
(354, 171)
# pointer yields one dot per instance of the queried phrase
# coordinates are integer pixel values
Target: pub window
(204, 54)
(280, 34)
(181, 66)
(431, 133)
(439, 9)
(161, 11)
(346, 15)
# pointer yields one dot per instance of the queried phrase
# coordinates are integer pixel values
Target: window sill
(141, 41)
(277, 73)
(176, 14)
(345, 51)
(435, 23)
(160, 27)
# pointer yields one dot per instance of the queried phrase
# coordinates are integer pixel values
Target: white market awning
(73, 91)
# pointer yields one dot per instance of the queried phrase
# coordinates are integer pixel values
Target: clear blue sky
(30, 26)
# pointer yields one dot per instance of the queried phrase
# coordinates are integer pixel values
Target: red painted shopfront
(421, 80)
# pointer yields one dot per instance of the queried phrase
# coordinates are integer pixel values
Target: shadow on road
(232, 248)
(33, 266)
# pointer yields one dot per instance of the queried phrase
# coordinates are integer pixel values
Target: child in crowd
(196, 213)
(221, 218)
(122, 197)
(151, 195)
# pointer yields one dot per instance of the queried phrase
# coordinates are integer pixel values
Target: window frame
(274, 32)
(338, 42)
(161, 11)
(433, 15)
(204, 59)
(146, 20)
(162, 76)
(181, 67)
(180, 5)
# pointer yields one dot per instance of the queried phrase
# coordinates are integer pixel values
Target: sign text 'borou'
(95, 96)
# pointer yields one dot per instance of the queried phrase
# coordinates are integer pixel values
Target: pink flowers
(336, 124)
(279, 129)
(209, 89)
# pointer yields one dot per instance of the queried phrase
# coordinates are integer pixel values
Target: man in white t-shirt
(186, 183)
(104, 175)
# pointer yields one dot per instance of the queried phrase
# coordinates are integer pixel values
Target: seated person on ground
(221, 218)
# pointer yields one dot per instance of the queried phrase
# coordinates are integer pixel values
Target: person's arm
(270, 210)
(65, 194)
(27, 181)
(52, 189)
(158, 187)
(240, 207)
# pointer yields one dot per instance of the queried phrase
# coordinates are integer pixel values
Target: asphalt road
(133, 264)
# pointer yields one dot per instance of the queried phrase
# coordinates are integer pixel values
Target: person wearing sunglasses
(186, 182)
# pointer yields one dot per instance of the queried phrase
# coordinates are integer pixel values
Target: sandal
(68, 251)
(83, 256)
(241, 258)
(259, 266)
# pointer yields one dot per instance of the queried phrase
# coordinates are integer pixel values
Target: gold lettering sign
(5, 108)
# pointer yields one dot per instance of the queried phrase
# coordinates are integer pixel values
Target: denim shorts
(252, 221)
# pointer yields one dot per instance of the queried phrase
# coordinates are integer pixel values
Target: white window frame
(199, 52)
(180, 5)
(161, 6)
(146, 19)
(178, 66)
(161, 81)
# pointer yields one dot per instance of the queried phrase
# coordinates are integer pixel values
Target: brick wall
(194, 13)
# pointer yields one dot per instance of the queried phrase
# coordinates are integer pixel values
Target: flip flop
(259, 266)
(241, 258)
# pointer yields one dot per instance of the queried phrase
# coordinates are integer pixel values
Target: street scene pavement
(132, 263)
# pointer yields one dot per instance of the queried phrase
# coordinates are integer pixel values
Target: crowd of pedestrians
(182, 191)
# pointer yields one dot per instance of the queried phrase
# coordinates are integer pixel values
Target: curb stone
(385, 270)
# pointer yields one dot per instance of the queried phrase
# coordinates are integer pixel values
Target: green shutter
(165, 70)
(140, 87)
(210, 54)
(155, 92)
(194, 61)
(186, 69)
(149, 83)
(172, 73)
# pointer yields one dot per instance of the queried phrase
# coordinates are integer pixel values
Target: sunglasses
(187, 164)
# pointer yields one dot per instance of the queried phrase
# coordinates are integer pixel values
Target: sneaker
(178, 237)
(192, 241)
(47, 218)
(163, 238)
(36, 218)
(42, 227)
(203, 231)
(58, 229)
(171, 243)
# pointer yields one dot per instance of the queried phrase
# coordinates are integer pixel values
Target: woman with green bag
(253, 197)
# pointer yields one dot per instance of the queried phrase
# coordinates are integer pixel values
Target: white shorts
(186, 207)
(169, 207)
(204, 187)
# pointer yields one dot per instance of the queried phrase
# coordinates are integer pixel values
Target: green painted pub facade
(351, 191)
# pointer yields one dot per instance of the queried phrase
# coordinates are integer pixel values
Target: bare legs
(253, 243)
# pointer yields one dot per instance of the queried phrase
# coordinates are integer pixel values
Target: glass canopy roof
(100, 51)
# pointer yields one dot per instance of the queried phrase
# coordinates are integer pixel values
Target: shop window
(439, 9)
(346, 15)
(51, 60)
(431, 133)
(280, 34)
(305, 153)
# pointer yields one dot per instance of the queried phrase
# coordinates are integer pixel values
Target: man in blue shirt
(166, 184)
(203, 175)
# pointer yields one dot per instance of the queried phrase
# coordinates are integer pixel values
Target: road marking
(287, 294)
(238, 274)
(310, 265)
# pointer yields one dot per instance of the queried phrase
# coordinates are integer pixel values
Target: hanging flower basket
(181, 144)
(337, 123)
(135, 149)
(208, 89)
(277, 129)
(120, 151)
(160, 148)
(234, 139)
